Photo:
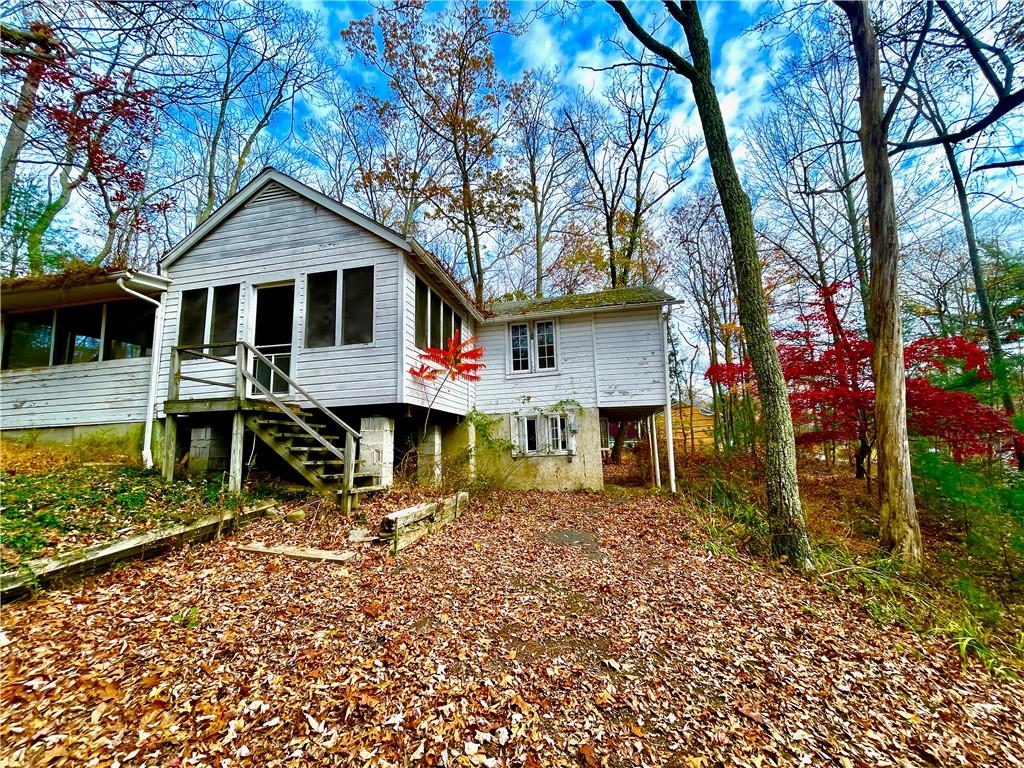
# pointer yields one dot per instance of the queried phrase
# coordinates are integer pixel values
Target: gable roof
(612, 299)
(271, 175)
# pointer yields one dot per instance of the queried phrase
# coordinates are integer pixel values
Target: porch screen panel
(422, 314)
(357, 306)
(77, 339)
(27, 344)
(225, 318)
(448, 328)
(192, 327)
(435, 320)
(129, 331)
(321, 309)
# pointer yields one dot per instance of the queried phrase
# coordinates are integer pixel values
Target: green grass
(68, 507)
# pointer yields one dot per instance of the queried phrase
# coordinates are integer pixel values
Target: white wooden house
(292, 321)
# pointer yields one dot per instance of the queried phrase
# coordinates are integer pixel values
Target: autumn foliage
(457, 360)
(828, 370)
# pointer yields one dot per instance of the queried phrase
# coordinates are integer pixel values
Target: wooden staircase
(303, 447)
(322, 448)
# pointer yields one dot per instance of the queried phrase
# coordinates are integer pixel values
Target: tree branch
(658, 48)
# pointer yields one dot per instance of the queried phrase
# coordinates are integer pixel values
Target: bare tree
(633, 160)
(551, 164)
(785, 514)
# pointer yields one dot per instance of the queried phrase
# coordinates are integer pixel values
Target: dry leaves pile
(541, 629)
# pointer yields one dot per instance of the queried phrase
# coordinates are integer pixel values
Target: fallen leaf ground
(539, 629)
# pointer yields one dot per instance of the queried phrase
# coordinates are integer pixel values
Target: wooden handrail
(294, 385)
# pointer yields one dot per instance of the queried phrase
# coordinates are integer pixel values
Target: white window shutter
(513, 432)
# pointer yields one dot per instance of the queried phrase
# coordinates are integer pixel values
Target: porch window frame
(208, 342)
(458, 322)
(52, 350)
(339, 308)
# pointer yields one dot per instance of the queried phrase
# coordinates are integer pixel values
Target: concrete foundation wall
(102, 438)
(496, 464)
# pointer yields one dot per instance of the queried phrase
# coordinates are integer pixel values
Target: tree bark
(21, 116)
(900, 531)
(785, 514)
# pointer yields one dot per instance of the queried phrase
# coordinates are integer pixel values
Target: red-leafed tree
(94, 129)
(828, 372)
(458, 360)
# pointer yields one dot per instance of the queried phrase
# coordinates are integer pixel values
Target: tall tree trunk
(900, 531)
(988, 319)
(785, 515)
(21, 116)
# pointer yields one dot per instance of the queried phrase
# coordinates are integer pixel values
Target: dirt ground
(539, 629)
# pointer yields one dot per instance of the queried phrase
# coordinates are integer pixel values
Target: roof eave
(430, 263)
(601, 309)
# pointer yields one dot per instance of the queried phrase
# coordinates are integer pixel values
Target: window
(321, 309)
(532, 346)
(542, 434)
(545, 344)
(192, 329)
(129, 330)
(356, 307)
(224, 325)
(357, 303)
(422, 314)
(436, 321)
(78, 335)
(520, 347)
(117, 330)
(28, 340)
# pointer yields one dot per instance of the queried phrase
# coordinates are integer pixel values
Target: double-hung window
(322, 315)
(541, 434)
(436, 321)
(532, 346)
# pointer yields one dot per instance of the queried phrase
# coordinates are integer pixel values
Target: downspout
(670, 448)
(154, 369)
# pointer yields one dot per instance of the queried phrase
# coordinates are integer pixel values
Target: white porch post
(670, 449)
(653, 431)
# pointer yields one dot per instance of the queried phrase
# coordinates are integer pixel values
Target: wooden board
(90, 560)
(405, 527)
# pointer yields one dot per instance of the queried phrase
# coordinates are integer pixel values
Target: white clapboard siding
(630, 358)
(454, 397)
(109, 392)
(605, 359)
(281, 236)
(502, 391)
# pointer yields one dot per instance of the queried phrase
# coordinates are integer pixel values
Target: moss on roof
(79, 273)
(614, 297)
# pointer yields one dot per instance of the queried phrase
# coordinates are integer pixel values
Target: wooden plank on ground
(407, 526)
(90, 560)
(299, 553)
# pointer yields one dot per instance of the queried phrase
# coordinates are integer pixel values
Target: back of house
(288, 325)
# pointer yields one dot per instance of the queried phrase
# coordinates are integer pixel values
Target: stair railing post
(240, 367)
(349, 480)
(174, 381)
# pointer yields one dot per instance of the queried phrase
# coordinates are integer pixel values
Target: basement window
(542, 435)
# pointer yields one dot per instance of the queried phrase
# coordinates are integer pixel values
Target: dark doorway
(275, 306)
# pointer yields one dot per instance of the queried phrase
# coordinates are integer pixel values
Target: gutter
(154, 366)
